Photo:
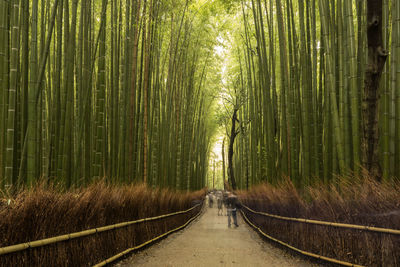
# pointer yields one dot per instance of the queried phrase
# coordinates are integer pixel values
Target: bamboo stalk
(396, 34)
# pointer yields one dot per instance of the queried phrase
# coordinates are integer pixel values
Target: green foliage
(300, 68)
(139, 90)
(126, 88)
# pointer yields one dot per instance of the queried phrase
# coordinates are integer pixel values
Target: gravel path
(209, 242)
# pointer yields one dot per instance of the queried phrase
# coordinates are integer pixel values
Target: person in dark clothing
(224, 201)
(219, 202)
(232, 206)
(210, 200)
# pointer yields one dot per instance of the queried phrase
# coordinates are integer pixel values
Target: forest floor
(209, 242)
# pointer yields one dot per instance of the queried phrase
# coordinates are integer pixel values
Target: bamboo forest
(130, 118)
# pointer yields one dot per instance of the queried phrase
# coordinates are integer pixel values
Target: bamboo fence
(343, 263)
(325, 223)
(60, 238)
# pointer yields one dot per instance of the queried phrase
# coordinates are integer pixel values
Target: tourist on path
(210, 200)
(219, 203)
(233, 205)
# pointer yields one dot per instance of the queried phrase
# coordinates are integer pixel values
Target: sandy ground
(208, 241)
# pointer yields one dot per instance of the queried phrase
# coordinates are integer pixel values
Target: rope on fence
(296, 249)
(129, 250)
(52, 240)
(332, 224)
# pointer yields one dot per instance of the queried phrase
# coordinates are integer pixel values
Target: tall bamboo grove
(305, 66)
(112, 89)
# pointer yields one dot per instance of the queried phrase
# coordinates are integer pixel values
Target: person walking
(219, 203)
(210, 200)
(232, 206)
(224, 201)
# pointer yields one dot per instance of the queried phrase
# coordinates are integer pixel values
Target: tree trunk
(146, 84)
(223, 163)
(133, 89)
(213, 183)
(12, 97)
(230, 151)
(32, 112)
(376, 61)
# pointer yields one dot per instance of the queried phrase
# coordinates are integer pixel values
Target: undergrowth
(43, 212)
(351, 200)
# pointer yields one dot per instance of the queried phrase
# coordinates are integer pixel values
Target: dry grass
(352, 200)
(45, 212)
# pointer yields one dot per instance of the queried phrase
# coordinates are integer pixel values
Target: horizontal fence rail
(324, 223)
(129, 250)
(343, 263)
(60, 238)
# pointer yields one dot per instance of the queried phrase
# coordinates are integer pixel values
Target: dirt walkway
(209, 242)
